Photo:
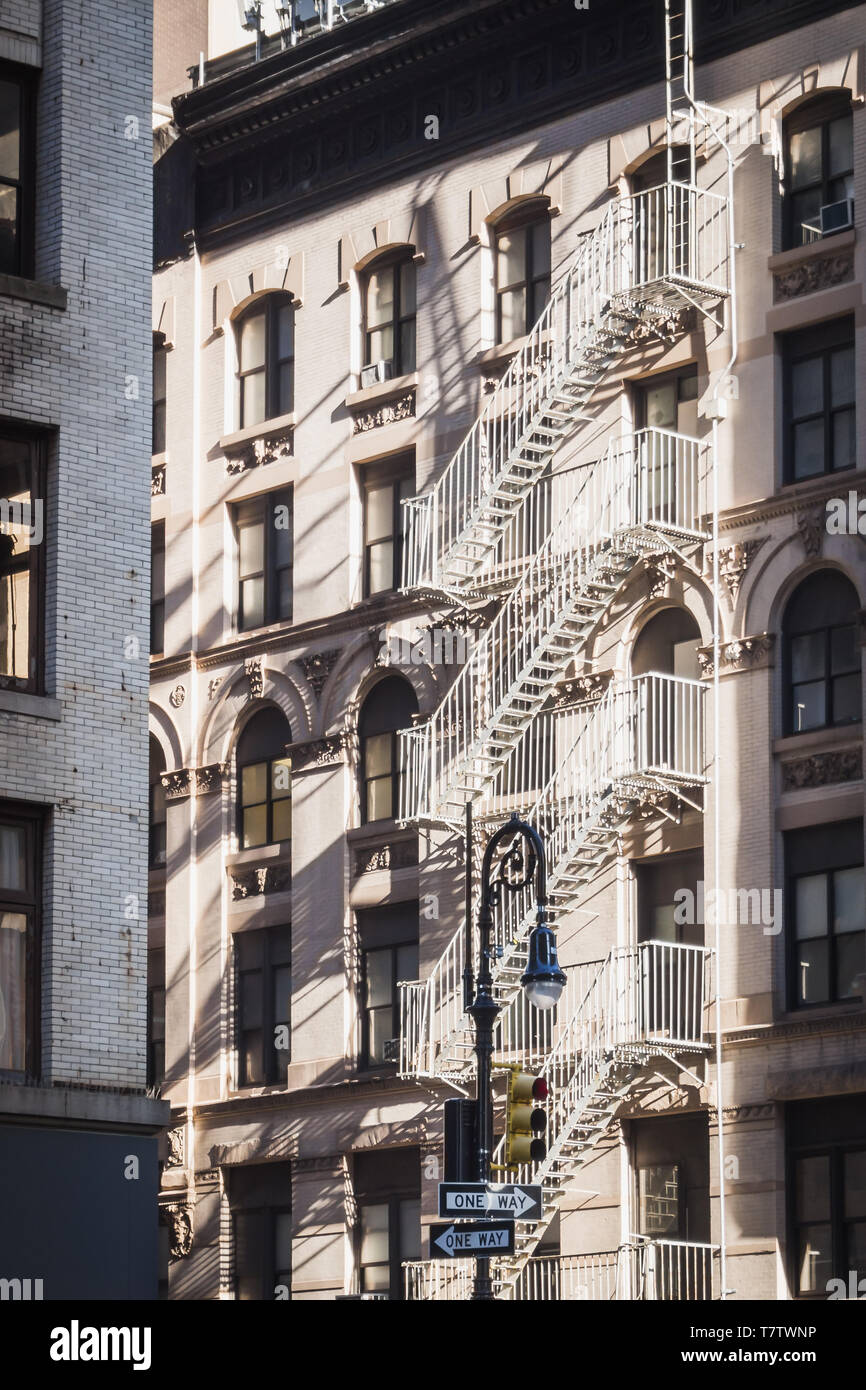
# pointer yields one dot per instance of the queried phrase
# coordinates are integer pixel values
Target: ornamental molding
(177, 697)
(819, 273)
(259, 453)
(213, 687)
(823, 769)
(210, 779)
(176, 783)
(255, 676)
(318, 666)
(179, 1218)
(260, 882)
(734, 560)
(660, 571)
(317, 753)
(812, 526)
(390, 413)
(742, 654)
(582, 690)
(176, 1141)
(747, 1114)
(791, 502)
(157, 481)
(402, 854)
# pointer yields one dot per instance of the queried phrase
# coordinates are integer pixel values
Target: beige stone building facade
(612, 336)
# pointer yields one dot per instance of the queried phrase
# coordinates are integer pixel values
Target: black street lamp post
(543, 980)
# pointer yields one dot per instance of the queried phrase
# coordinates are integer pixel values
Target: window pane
(813, 972)
(410, 1229)
(658, 1200)
(249, 948)
(407, 288)
(809, 706)
(282, 820)
(8, 230)
(381, 567)
(283, 1240)
(251, 549)
(13, 857)
(253, 400)
(540, 232)
(847, 702)
(285, 331)
(512, 315)
(808, 656)
(814, 1259)
(380, 511)
(251, 999)
(377, 755)
(807, 387)
(249, 1254)
(844, 441)
(252, 603)
(661, 406)
(374, 1234)
(10, 138)
(281, 777)
(855, 1183)
(282, 980)
(806, 216)
(254, 784)
(380, 1026)
(380, 347)
(841, 142)
(813, 1188)
(407, 347)
(282, 532)
(841, 188)
(13, 994)
(252, 342)
(252, 1061)
(850, 965)
(255, 827)
(286, 389)
(849, 892)
(805, 157)
(511, 258)
(540, 296)
(377, 978)
(407, 961)
(856, 1242)
(284, 595)
(380, 297)
(842, 377)
(380, 804)
(843, 650)
(810, 901)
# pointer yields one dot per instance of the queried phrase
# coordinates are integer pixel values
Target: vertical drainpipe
(193, 720)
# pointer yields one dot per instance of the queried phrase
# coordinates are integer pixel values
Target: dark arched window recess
(668, 711)
(265, 379)
(668, 645)
(264, 781)
(389, 707)
(822, 654)
(156, 805)
(388, 290)
(819, 169)
(522, 246)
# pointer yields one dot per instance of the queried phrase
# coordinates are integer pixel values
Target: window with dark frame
(157, 588)
(522, 272)
(155, 1018)
(17, 171)
(819, 165)
(819, 391)
(385, 489)
(264, 530)
(22, 565)
(20, 880)
(826, 917)
(826, 1181)
(264, 775)
(821, 654)
(389, 314)
(160, 354)
(263, 1010)
(388, 708)
(265, 336)
(389, 955)
(388, 1191)
(260, 1201)
(156, 808)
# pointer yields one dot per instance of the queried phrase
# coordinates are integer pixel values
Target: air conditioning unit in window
(837, 217)
(377, 372)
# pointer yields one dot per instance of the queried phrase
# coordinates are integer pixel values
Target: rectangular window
(22, 568)
(263, 528)
(155, 1018)
(157, 589)
(385, 489)
(160, 353)
(260, 1199)
(17, 129)
(263, 993)
(20, 873)
(826, 1141)
(819, 420)
(826, 902)
(388, 1190)
(522, 277)
(389, 955)
(819, 159)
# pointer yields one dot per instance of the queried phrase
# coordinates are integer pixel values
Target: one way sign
(520, 1202)
(466, 1242)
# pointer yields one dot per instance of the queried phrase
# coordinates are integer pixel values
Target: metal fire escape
(556, 548)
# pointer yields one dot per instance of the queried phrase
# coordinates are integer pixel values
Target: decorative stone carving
(823, 769)
(581, 690)
(660, 570)
(177, 697)
(209, 779)
(401, 855)
(260, 882)
(261, 452)
(319, 752)
(811, 526)
(157, 481)
(388, 414)
(175, 1138)
(213, 686)
(743, 654)
(255, 676)
(734, 560)
(178, 1216)
(176, 783)
(820, 274)
(317, 668)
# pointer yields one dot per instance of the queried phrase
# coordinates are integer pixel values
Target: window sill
(825, 485)
(384, 391)
(374, 830)
(831, 737)
(40, 706)
(263, 854)
(33, 291)
(266, 429)
(837, 241)
(501, 353)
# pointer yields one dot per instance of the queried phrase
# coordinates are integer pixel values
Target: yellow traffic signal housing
(525, 1121)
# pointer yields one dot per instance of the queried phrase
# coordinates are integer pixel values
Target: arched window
(668, 719)
(388, 288)
(265, 337)
(822, 655)
(156, 803)
(819, 168)
(668, 644)
(389, 707)
(264, 781)
(522, 269)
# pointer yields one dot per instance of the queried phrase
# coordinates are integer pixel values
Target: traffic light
(461, 1164)
(525, 1120)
